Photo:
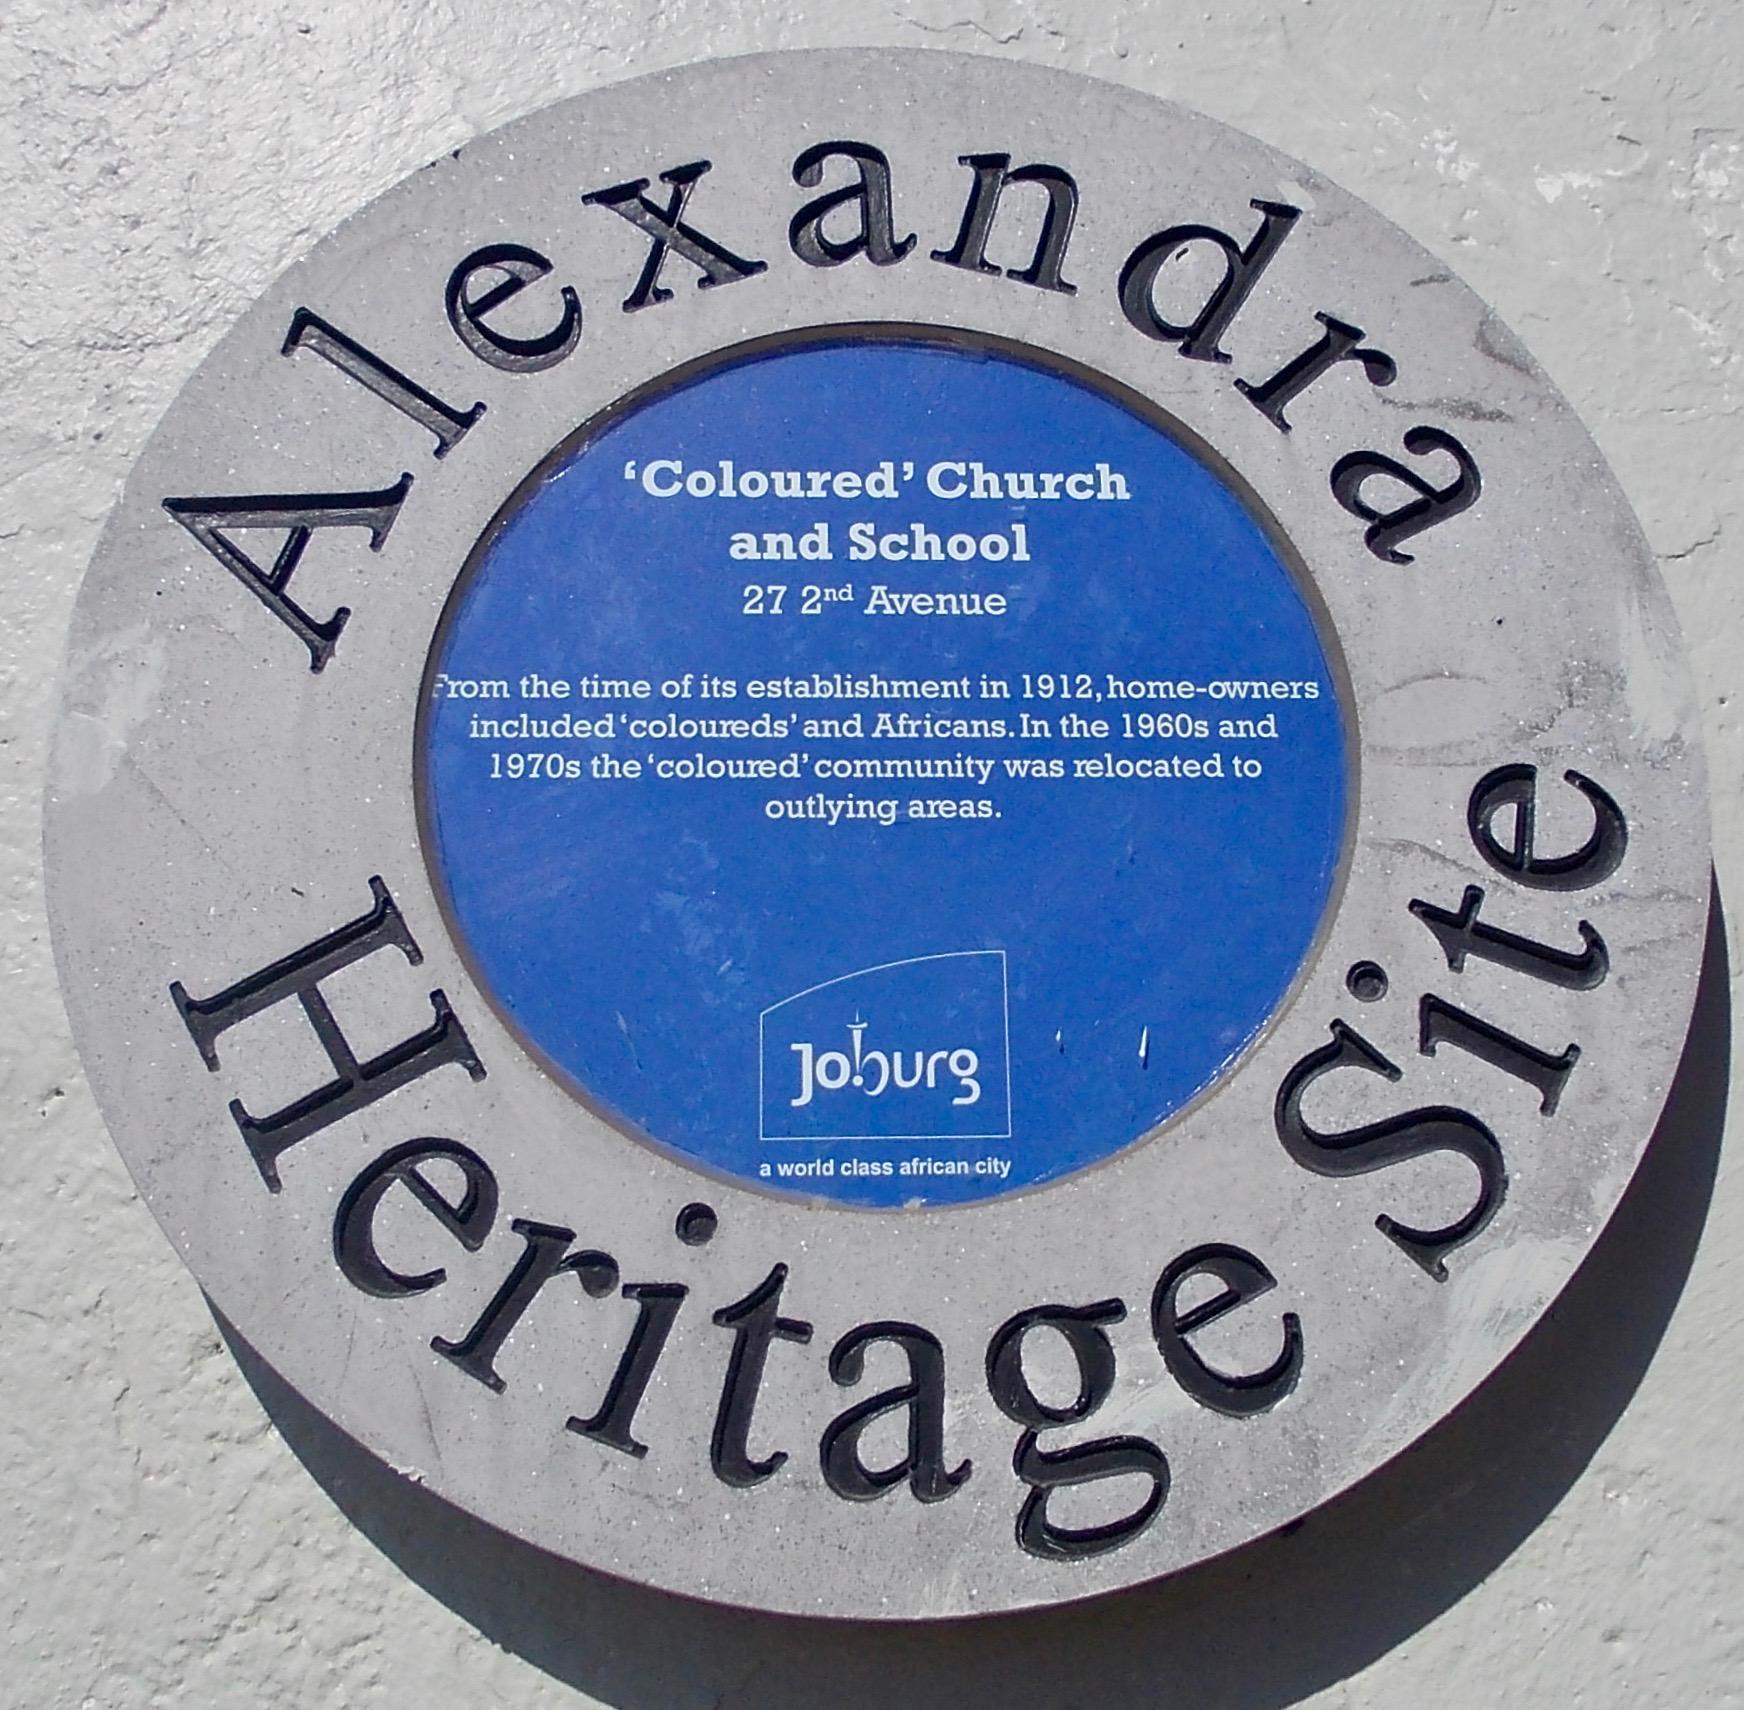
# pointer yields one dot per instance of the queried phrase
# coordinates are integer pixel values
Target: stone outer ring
(213, 805)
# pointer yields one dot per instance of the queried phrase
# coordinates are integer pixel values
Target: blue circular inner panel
(883, 772)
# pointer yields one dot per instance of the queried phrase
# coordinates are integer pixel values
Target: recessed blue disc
(884, 772)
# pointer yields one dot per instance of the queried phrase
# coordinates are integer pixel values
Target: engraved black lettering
(1441, 1023)
(1046, 1471)
(1462, 934)
(1244, 1278)
(869, 195)
(696, 1224)
(716, 264)
(1366, 981)
(657, 1306)
(1393, 1140)
(1341, 342)
(922, 1398)
(1516, 787)
(755, 1322)
(468, 1220)
(207, 519)
(356, 1084)
(1388, 529)
(1242, 268)
(309, 332)
(992, 174)
(511, 267)
(544, 1255)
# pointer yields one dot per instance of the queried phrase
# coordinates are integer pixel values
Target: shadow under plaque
(1263, 1626)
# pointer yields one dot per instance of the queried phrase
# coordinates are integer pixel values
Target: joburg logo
(875, 1073)
(909, 1050)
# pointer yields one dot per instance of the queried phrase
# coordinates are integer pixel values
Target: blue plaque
(883, 771)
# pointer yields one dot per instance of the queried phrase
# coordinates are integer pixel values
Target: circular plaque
(877, 834)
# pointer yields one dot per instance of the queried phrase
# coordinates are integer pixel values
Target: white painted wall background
(1580, 162)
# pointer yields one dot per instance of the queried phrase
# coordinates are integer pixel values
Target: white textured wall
(1575, 1537)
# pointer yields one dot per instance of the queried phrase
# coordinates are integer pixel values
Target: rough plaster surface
(1576, 1537)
